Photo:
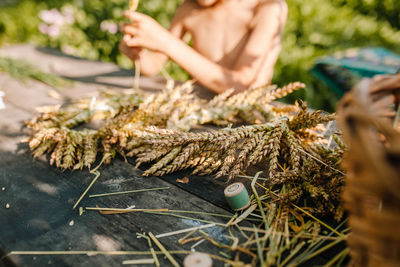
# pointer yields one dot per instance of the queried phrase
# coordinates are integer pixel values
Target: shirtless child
(236, 43)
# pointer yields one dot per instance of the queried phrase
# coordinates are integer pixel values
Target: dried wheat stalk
(154, 128)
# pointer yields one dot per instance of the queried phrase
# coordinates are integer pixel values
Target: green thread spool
(237, 196)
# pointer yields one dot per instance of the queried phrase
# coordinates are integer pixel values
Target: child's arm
(151, 62)
(149, 34)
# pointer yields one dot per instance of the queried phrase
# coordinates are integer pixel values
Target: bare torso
(235, 42)
(221, 32)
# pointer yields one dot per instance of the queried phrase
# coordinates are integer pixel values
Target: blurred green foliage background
(87, 28)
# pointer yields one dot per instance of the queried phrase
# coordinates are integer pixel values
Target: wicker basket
(372, 191)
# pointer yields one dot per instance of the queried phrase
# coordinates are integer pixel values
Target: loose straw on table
(162, 248)
(128, 192)
(156, 262)
(158, 212)
(186, 230)
(97, 175)
(139, 261)
(87, 189)
(115, 211)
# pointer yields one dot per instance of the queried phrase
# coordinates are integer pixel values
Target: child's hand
(133, 53)
(144, 32)
(382, 83)
(384, 92)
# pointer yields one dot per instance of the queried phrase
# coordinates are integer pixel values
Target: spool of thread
(237, 197)
(197, 259)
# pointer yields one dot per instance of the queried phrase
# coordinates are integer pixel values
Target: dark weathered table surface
(40, 197)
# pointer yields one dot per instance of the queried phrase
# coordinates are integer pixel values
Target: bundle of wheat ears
(286, 142)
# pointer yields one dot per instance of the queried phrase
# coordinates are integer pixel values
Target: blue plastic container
(342, 71)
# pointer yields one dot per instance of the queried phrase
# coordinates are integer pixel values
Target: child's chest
(219, 33)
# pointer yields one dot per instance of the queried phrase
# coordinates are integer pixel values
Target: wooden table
(36, 200)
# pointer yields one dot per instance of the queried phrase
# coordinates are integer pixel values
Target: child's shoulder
(268, 8)
(274, 4)
(186, 9)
